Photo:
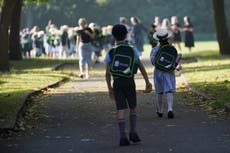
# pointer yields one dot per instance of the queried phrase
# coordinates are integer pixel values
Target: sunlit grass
(25, 76)
(199, 46)
(209, 75)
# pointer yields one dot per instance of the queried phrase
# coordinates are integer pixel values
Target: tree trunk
(221, 26)
(14, 41)
(5, 18)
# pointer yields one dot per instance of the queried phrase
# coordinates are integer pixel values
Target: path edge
(25, 99)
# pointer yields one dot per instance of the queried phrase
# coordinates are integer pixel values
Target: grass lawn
(25, 76)
(210, 74)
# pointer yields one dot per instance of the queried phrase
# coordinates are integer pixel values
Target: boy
(123, 90)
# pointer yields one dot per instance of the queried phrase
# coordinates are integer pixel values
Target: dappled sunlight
(204, 45)
(25, 76)
(10, 103)
(192, 68)
(217, 91)
(200, 46)
(210, 75)
(32, 82)
(35, 64)
(204, 69)
(102, 2)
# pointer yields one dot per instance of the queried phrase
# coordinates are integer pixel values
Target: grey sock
(121, 126)
(133, 119)
(159, 103)
(170, 101)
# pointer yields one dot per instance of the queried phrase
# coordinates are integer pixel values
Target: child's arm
(145, 75)
(108, 81)
(152, 55)
(152, 60)
(178, 67)
(77, 43)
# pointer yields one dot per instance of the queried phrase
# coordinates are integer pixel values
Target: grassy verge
(210, 74)
(25, 76)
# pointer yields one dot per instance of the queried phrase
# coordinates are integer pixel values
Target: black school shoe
(160, 114)
(124, 142)
(134, 137)
(81, 76)
(170, 115)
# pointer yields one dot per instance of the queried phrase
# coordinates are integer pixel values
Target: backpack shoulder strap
(125, 45)
(114, 48)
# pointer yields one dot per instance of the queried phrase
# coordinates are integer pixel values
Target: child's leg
(170, 101)
(87, 71)
(179, 47)
(189, 49)
(133, 120)
(159, 102)
(121, 123)
(133, 136)
(81, 65)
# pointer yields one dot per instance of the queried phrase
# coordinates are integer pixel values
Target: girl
(164, 81)
(175, 26)
(188, 32)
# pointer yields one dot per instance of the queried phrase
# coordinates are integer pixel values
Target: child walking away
(122, 62)
(165, 59)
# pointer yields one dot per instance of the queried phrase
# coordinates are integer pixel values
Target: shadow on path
(79, 117)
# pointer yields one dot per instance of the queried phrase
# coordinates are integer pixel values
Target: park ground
(79, 117)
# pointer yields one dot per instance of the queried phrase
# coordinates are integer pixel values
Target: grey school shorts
(124, 93)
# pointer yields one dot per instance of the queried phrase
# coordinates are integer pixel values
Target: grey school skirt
(164, 81)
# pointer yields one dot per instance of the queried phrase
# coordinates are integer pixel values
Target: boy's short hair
(119, 32)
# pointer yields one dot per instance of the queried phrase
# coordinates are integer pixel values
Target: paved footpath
(78, 117)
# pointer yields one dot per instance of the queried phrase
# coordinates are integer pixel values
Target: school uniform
(124, 88)
(189, 37)
(138, 36)
(176, 34)
(163, 81)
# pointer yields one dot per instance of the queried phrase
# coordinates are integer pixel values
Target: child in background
(84, 47)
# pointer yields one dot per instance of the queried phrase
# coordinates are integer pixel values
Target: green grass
(199, 46)
(210, 74)
(25, 76)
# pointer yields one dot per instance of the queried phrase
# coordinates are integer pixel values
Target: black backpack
(165, 58)
(123, 62)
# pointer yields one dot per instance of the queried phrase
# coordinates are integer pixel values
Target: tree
(221, 27)
(14, 48)
(5, 19)
(10, 18)
(14, 41)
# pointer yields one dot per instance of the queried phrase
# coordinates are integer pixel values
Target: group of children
(60, 42)
(122, 62)
(176, 28)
